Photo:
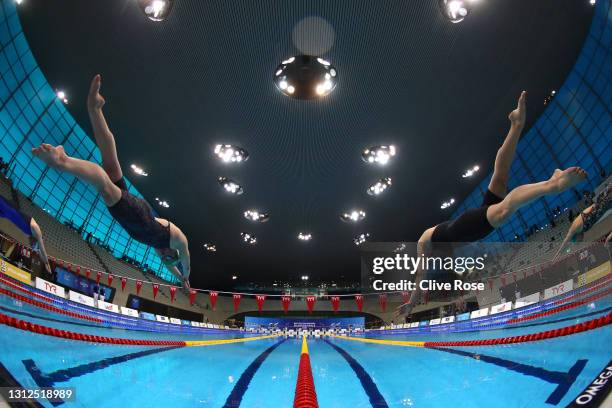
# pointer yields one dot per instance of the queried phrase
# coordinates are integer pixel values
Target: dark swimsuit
(470, 226)
(135, 215)
(21, 220)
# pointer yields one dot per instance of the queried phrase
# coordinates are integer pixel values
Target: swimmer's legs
(505, 154)
(37, 235)
(560, 181)
(104, 137)
(87, 171)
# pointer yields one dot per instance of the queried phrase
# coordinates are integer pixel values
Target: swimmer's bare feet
(53, 156)
(562, 180)
(517, 116)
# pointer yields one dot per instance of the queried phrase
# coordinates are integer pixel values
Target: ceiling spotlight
(305, 277)
(549, 97)
(305, 77)
(379, 187)
(162, 203)
(447, 204)
(256, 216)
(591, 2)
(210, 247)
(378, 154)
(234, 277)
(18, 1)
(248, 238)
(156, 10)
(353, 216)
(470, 172)
(455, 10)
(61, 95)
(139, 171)
(361, 238)
(230, 186)
(231, 154)
(302, 236)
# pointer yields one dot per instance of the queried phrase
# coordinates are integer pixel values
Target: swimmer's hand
(94, 99)
(519, 115)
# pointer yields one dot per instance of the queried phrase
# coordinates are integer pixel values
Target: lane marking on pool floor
(549, 334)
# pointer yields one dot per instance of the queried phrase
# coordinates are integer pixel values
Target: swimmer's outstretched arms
(498, 205)
(134, 214)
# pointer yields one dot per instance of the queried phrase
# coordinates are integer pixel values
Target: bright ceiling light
(379, 187)
(455, 10)
(305, 77)
(156, 10)
(210, 247)
(378, 154)
(591, 2)
(231, 154)
(256, 216)
(61, 95)
(353, 216)
(248, 238)
(139, 171)
(304, 236)
(447, 204)
(162, 203)
(234, 277)
(230, 186)
(361, 238)
(305, 277)
(470, 172)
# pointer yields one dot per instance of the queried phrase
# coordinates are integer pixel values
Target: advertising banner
(314, 323)
(82, 284)
(50, 287)
(598, 272)
(111, 307)
(527, 300)
(161, 318)
(129, 312)
(147, 316)
(15, 273)
(81, 298)
(559, 289)
(479, 313)
(503, 307)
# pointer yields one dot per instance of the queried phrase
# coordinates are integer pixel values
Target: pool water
(263, 373)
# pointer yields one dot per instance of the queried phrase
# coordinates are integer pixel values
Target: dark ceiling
(439, 91)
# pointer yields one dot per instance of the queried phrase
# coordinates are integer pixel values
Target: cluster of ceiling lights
(230, 186)
(210, 247)
(378, 154)
(549, 97)
(470, 172)
(162, 203)
(156, 10)
(248, 238)
(256, 216)
(353, 216)
(231, 154)
(379, 187)
(361, 238)
(61, 95)
(304, 236)
(447, 204)
(138, 170)
(305, 77)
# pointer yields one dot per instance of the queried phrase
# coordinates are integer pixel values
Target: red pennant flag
(260, 301)
(359, 301)
(237, 298)
(491, 285)
(382, 300)
(310, 301)
(192, 296)
(172, 293)
(138, 286)
(78, 271)
(285, 300)
(335, 301)
(110, 279)
(405, 297)
(155, 289)
(123, 282)
(213, 299)
(87, 273)
(98, 276)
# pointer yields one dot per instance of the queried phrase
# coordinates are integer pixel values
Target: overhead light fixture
(447, 204)
(361, 238)
(303, 236)
(353, 216)
(256, 216)
(162, 203)
(305, 277)
(378, 154)
(470, 172)
(305, 77)
(234, 277)
(61, 95)
(379, 187)
(210, 247)
(156, 10)
(591, 2)
(455, 10)
(230, 186)
(550, 97)
(231, 154)
(248, 238)
(139, 171)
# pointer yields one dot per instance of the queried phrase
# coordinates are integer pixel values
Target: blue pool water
(263, 373)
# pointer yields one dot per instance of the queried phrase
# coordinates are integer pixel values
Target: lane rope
(545, 335)
(305, 393)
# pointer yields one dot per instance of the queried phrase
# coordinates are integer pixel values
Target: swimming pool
(384, 368)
